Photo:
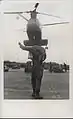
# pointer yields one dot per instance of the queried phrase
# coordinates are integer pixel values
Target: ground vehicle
(57, 69)
(6, 68)
(15, 67)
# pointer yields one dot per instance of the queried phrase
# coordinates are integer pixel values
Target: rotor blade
(19, 13)
(22, 30)
(36, 5)
(13, 12)
(27, 12)
(54, 24)
(23, 17)
(48, 15)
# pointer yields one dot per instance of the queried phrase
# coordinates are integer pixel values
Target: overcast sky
(59, 36)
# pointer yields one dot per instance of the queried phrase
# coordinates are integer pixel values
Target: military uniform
(37, 73)
(39, 56)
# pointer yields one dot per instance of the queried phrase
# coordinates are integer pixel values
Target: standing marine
(39, 55)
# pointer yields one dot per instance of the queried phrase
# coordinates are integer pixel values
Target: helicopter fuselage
(34, 30)
(33, 25)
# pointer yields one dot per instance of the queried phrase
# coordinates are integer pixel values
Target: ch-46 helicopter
(34, 28)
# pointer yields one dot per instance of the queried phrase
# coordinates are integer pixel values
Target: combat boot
(37, 96)
(33, 94)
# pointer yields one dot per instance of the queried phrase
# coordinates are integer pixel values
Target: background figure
(50, 68)
(65, 67)
(39, 55)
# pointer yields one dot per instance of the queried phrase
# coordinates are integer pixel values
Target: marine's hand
(19, 43)
(21, 46)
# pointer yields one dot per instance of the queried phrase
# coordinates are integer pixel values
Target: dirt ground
(17, 85)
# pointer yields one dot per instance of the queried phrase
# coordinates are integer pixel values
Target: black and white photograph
(36, 61)
(37, 46)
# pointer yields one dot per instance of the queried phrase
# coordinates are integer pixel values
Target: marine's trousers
(36, 83)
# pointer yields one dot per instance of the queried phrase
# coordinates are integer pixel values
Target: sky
(59, 36)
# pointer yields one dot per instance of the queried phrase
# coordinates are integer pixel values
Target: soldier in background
(50, 67)
(65, 67)
(39, 55)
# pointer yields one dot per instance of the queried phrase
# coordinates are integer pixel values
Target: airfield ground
(17, 85)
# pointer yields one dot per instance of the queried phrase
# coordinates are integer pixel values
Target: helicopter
(34, 27)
